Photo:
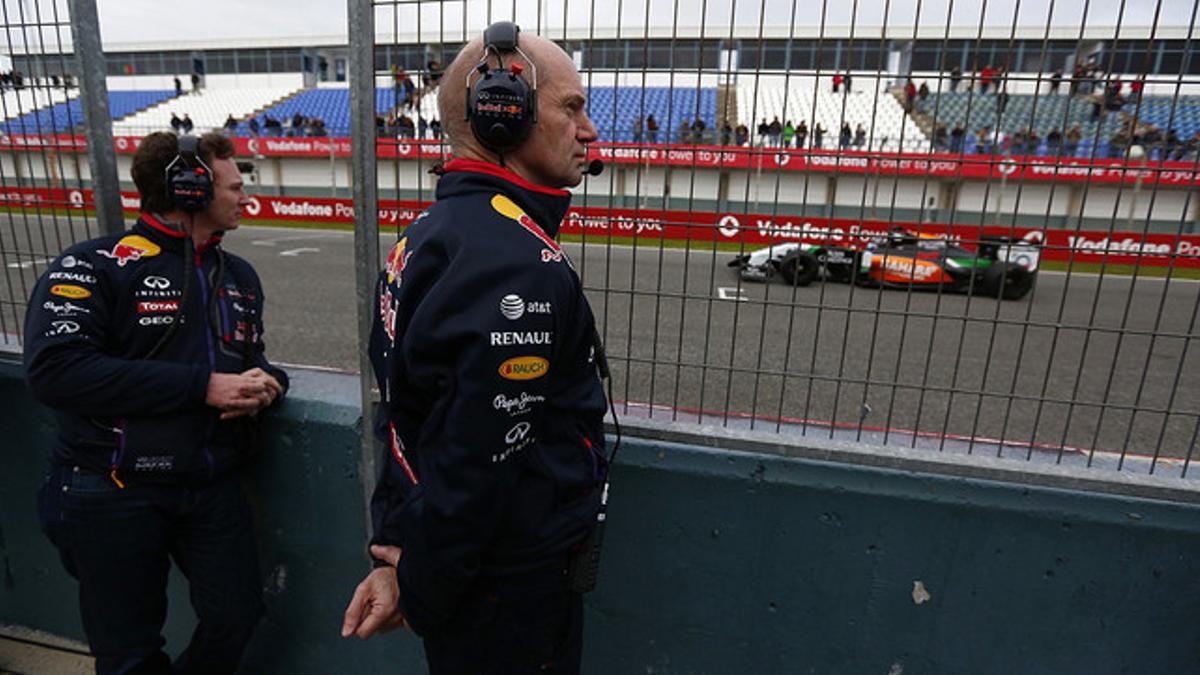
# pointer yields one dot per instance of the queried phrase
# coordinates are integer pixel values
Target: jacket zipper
(212, 356)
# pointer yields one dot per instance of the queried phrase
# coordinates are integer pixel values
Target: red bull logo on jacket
(131, 249)
(397, 258)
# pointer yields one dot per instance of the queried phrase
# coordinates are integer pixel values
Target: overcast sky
(124, 21)
(178, 21)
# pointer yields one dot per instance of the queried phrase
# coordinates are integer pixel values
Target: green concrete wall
(715, 562)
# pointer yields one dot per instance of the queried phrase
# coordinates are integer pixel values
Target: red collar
(157, 224)
(477, 166)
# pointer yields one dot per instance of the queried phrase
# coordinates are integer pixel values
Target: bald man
(485, 352)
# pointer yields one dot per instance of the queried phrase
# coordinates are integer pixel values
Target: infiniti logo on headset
(160, 283)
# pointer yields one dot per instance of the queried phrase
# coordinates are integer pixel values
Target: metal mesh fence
(965, 228)
(41, 176)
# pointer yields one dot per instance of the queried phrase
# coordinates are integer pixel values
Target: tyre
(1008, 282)
(800, 269)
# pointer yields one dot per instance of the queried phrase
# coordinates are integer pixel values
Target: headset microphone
(594, 168)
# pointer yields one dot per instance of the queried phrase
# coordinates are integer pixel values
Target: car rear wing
(1007, 249)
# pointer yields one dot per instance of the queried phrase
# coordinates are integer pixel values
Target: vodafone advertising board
(1153, 249)
(913, 165)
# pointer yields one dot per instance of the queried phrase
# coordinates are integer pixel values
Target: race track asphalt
(1068, 365)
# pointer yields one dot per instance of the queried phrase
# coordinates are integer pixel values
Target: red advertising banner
(753, 230)
(909, 165)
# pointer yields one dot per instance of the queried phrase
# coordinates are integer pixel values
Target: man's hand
(375, 607)
(242, 394)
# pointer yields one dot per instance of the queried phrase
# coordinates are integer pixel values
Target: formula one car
(999, 267)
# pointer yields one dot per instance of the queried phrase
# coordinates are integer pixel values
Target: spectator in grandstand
(1136, 87)
(940, 136)
(316, 127)
(253, 126)
(1033, 142)
(432, 76)
(922, 95)
(230, 125)
(860, 136)
(726, 133)
(1151, 140)
(1170, 144)
(1097, 106)
(837, 82)
(1054, 142)
(910, 95)
(764, 131)
(405, 90)
(957, 136)
(846, 81)
(1119, 143)
(955, 78)
(684, 135)
(983, 141)
(435, 128)
(178, 86)
(1190, 149)
(636, 129)
(176, 123)
(1077, 77)
(492, 477)
(802, 135)
(195, 83)
(157, 412)
(272, 126)
(741, 134)
(186, 124)
(986, 76)
(405, 123)
(1017, 142)
(382, 125)
(788, 135)
(651, 129)
(818, 136)
(844, 136)
(775, 131)
(699, 131)
(1073, 137)
(1056, 81)
(298, 122)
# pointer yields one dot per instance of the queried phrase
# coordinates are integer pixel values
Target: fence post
(93, 98)
(366, 206)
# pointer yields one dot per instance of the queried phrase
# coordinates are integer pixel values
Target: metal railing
(829, 323)
(1094, 367)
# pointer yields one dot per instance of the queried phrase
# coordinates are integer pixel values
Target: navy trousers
(119, 544)
(512, 626)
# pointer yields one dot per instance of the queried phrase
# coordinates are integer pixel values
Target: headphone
(189, 179)
(501, 106)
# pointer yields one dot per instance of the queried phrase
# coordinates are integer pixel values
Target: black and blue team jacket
(492, 405)
(94, 318)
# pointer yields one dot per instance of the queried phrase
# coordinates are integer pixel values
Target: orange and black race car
(999, 266)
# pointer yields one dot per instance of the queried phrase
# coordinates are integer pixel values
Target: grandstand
(1046, 112)
(15, 103)
(871, 105)
(208, 109)
(66, 116)
(331, 104)
(614, 109)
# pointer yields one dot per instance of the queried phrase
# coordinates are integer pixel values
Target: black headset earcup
(191, 189)
(189, 182)
(499, 110)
